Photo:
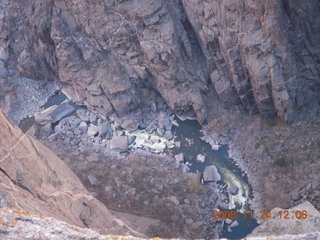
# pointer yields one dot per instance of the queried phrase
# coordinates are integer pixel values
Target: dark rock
(45, 131)
(104, 129)
(54, 114)
(233, 190)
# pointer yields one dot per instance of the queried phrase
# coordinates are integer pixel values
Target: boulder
(93, 118)
(92, 130)
(82, 114)
(201, 158)
(119, 143)
(234, 224)
(104, 129)
(179, 157)
(83, 126)
(211, 174)
(131, 139)
(54, 113)
(228, 221)
(233, 190)
(92, 180)
(160, 130)
(215, 146)
(45, 131)
(129, 125)
(168, 135)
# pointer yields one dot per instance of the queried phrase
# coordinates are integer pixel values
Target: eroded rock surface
(194, 53)
(33, 178)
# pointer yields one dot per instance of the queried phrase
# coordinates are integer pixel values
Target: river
(188, 133)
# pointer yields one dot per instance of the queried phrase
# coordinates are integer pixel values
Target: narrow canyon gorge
(136, 119)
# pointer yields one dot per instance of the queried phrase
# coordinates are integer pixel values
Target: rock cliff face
(260, 54)
(34, 179)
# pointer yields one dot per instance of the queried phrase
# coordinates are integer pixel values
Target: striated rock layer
(260, 54)
(34, 179)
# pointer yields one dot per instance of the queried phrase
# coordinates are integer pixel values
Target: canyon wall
(117, 56)
(33, 180)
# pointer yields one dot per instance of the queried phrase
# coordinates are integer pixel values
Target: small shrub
(194, 186)
(283, 162)
(272, 122)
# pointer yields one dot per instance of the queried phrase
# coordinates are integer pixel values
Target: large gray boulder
(54, 113)
(211, 174)
(119, 143)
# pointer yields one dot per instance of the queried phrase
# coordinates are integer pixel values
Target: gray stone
(201, 158)
(93, 118)
(54, 113)
(175, 123)
(82, 114)
(92, 130)
(154, 107)
(160, 130)
(174, 199)
(131, 191)
(92, 180)
(168, 135)
(77, 131)
(83, 127)
(189, 221)
(3, 70)
(150, 128)
(45, 131)
(131, 139)
(186, 201)
(179, 157)
(119, 143)
(228, 221)
(129, 125)
(233, 190)
(104, 129)
(211, 174)
(223, 205)
(4, 53)
(234, 224)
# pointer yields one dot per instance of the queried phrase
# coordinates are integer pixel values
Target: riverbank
(280, 160)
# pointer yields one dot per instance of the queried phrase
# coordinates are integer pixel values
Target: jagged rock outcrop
(34, 179)
(289, 222)
(262, 54)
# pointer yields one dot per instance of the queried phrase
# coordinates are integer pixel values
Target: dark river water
(188, 133)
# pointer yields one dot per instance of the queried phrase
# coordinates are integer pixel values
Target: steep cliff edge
(34, 179)
(261, 54)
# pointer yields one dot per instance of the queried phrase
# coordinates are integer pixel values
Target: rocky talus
(35, 180)
(193, 53)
